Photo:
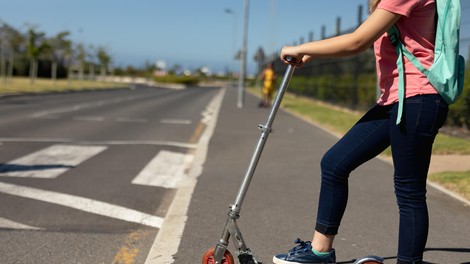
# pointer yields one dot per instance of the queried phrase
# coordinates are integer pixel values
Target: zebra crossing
(164, 170)
(49, 162)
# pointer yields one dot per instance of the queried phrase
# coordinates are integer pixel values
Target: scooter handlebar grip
(290, 59)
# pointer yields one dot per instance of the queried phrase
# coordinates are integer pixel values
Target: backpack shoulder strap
(401, 50)
(394, 35)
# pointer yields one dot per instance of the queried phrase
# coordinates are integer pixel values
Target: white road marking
(89, 118)
(49, 162)
(83, 204)
(176, 121)
(169, 236)
(165, 170)
(131, 120)
(8, 224)
(48, 117)
(77, 107)
(112, 142)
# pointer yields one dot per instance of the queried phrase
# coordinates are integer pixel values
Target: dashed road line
(77, 107)
(106, 142)
(89, 118)
(131, 120)
(176, 121)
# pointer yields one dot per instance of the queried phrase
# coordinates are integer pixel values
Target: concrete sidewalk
(281, 203)
(441, 163)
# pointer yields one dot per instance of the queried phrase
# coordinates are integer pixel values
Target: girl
(411, 140)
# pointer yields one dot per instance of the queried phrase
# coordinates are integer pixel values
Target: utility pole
(241, 82)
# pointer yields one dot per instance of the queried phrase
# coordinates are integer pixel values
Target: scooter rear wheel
(370, 260)
(208, 257)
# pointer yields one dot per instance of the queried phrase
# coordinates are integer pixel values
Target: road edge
(168, 239)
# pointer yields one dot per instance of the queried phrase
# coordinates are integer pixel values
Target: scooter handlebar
(290, 59)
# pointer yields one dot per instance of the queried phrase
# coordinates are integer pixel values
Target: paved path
(281, 203)
(441, 163)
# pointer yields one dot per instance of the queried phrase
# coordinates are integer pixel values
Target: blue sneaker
(303, 254)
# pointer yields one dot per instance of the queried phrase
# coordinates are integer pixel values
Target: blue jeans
(411, 143)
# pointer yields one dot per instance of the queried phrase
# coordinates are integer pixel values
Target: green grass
(341, 120)
(458, 182)
(23, 85)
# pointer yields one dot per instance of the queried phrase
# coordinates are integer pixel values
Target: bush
(361, 93)
(186, 80)
(459, 113)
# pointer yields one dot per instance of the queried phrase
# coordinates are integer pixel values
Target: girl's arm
(345, 45)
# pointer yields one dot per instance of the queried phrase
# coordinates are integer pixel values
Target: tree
(36, 46)
(81, 57)
(260, 58)
(61, 49)
(12, 43)
(104, 59)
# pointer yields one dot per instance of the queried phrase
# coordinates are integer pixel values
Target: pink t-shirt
(417, 33)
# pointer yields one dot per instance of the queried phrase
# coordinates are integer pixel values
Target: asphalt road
(89, 177)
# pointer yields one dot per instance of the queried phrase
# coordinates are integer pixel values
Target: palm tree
(104, 59)
(81, 57)
(16, 42)
(61, 49)
(36, 46)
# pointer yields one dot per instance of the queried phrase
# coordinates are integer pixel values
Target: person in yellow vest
(269, 77)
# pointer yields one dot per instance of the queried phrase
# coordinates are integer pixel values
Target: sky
(190, 33)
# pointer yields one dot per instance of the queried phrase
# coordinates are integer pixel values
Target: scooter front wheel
(208, 257)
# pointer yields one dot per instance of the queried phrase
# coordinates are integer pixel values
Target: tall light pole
(234, 40)
(241, 82)
(2, 54)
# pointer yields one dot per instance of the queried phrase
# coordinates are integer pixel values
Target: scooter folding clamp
(265, 129)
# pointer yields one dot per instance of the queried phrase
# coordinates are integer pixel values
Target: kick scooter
(220, 254)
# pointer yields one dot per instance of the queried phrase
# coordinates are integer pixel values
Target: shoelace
(302, 246)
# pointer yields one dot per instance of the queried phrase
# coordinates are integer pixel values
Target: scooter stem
(265, 130)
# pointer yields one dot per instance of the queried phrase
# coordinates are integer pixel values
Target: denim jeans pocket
(425, 114)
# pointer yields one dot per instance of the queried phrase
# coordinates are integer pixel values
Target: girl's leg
(366, 139)
(411, 144)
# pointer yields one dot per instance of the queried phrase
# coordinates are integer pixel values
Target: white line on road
(89, 118)
(110, 142)
(131, 120)
(49, 162)
(78, 107)
(49, 117)
(165, 170)
(176, 121)
(8, 224)
(169, 236)
(83, 204)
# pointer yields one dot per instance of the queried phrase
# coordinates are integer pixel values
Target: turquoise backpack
(446, 74)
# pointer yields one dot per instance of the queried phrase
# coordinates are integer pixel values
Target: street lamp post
(2, 54)
(234, 40)
(241, 83)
